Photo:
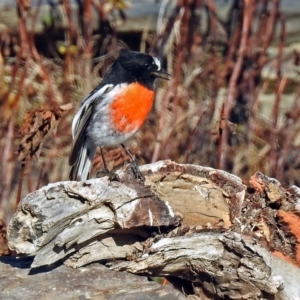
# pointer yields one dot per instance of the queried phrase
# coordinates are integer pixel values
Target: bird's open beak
(162, 74)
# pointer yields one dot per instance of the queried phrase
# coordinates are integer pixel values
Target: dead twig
(247, 19)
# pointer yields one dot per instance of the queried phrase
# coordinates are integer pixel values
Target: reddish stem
(247, 18)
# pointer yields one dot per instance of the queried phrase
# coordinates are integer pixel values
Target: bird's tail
(80, 161)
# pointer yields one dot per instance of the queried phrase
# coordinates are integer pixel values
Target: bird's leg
(134, 165)
(111, 175)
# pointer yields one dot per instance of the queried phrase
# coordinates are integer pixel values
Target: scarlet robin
(114, 110)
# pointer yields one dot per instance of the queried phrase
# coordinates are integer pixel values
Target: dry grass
(208, 114)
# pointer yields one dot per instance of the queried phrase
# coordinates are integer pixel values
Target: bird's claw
(136, 171)
(111, 175)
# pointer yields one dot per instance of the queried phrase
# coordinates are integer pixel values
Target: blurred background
(233, 102)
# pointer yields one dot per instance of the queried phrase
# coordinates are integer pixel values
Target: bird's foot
(111, 175)
(136, 170)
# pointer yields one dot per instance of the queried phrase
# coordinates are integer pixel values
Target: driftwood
(203, 229)
(55, 221)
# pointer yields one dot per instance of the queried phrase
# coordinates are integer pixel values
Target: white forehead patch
(157, 62)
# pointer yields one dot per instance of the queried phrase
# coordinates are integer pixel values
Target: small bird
(114, 111)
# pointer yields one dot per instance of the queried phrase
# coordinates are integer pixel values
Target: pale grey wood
(235, 270)
(98, 220)
(286, 271)
(56, 220)
(111, 248)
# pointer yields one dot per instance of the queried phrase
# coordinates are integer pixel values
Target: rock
(91, 282)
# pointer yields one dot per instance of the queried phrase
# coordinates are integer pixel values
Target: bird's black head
(140, 67)
(139, 64)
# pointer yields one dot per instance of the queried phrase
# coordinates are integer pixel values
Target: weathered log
(224, 265)
(53, 222)
(132, 225)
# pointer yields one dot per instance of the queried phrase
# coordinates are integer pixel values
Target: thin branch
(248, 16)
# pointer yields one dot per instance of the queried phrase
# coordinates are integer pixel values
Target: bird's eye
(147, 66)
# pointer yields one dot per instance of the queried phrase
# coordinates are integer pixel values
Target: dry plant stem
(6, 173)
(87, 51)
(211, 15)
(20, 184)
(194, 21)
(181, 54)
(1, 73)
(232, 44)
(29, 176)
(262, 39)
(275, 165)
(158, 47)
(24, 51)
(281, 82)
(86, 26)
(270, 26)
(159, 42)
(31, 34)
(161, 125)
(286, 147)
(99, 7)
(7, 167)
(68, 66)
(24, 48)
(191, 138)
(248, 16)
(22, 15)
(47, 165)
(31, 44)
(179, 59)
(288, 134)
(106, 29)
(37, 56)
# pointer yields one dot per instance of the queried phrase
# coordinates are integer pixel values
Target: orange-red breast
(114, 110)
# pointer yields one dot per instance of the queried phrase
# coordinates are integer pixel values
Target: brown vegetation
(205, 54)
